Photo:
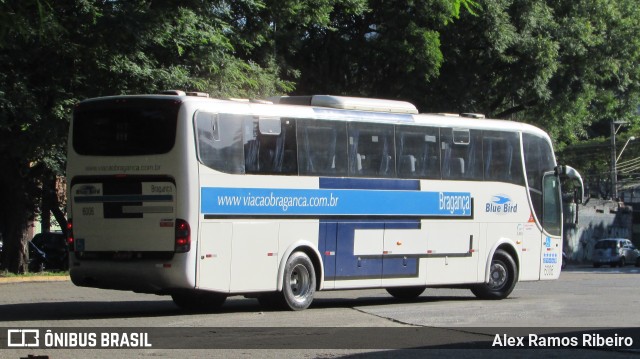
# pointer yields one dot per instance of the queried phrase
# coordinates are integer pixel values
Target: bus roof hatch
(349, 103)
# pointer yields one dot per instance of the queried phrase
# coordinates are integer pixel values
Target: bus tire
(299, 282)
(198, 301)
(502, 278)
(406, 293)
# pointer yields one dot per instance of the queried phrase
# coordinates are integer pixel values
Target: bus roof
(343, 108)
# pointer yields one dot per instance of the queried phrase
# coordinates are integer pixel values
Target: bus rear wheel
(406, 293)
(197, 301)
(299, 282)
(503, 276)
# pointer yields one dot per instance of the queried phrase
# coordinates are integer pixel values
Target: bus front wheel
(299, 283)
(503, 276)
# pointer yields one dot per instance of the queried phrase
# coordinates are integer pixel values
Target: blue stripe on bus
(350, 198)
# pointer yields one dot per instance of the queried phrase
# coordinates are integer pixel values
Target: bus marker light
(70, 238)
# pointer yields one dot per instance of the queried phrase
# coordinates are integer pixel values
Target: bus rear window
(125, 128)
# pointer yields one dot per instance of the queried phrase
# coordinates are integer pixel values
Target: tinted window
(322, 148)
(125, 128)
(605, 244)
(538, 159)
(552, 211)
(502, 160)
(220, 141)
(418, 152)
(270, 146)
(371, 150)
(461, 154)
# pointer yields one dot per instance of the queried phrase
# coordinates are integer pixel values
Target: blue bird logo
(500, 199)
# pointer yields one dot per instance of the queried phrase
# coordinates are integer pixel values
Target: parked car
(48, 251)
(614, 252)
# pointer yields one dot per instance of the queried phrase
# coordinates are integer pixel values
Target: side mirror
(574, 176)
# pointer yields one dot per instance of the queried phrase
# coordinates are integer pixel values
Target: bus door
(542, 250)
(551, 255)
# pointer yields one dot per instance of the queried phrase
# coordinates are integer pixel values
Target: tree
(55, 54)
(378, 48)
(565, 66)
(569, 67)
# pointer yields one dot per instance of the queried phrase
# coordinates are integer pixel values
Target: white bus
(201, 199)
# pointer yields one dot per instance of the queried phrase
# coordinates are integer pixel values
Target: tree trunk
(16, 243)
(16, 237)
(16, 215)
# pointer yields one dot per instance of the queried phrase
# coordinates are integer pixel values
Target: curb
(62, 278)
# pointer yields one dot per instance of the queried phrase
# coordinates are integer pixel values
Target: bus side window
(371, 150)
(417, 151)
(270, 146)
(501, 152)
(321, 148)
(461, 154)
(538, 159)
(219, 141)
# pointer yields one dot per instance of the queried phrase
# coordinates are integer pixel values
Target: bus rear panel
(127, 231)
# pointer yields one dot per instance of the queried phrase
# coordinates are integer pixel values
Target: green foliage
(55, 54)
(373, 48)
(566, 66)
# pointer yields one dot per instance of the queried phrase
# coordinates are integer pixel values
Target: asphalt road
(365, 323)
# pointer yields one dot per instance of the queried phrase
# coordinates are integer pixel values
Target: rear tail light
(70, 239)
(183, 236)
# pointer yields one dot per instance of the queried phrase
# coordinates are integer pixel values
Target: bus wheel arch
(311, 252)
(502, 274)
